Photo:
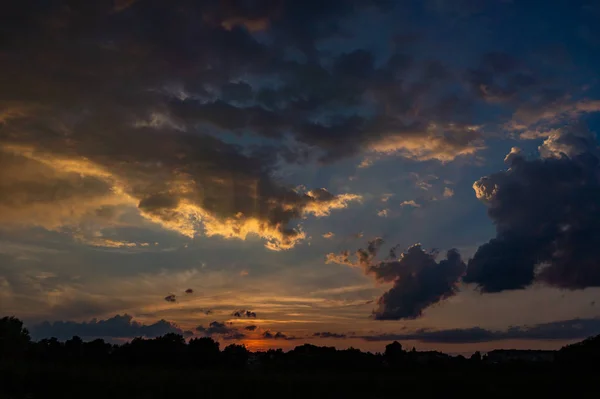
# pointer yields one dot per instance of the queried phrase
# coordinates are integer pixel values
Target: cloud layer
(221, 330)
(119, 326)
(142, 134)
(558, 330)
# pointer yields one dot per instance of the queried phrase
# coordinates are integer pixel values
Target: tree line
(172, 351)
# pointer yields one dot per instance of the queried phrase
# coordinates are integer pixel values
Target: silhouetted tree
(14, 338)
(97, 351)
(235, 356)
(74, 348)
(203, 352)
(394, 354)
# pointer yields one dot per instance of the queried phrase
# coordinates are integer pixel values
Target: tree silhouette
(235, 356)
(394, 354)
(203, 352)
(475, 357)
(14, 338)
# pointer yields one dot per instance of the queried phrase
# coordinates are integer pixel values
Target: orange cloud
(436, 144)
(177, 206)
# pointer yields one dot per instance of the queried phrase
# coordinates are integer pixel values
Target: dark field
(45, 381)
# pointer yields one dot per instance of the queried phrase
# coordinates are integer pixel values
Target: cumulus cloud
(278, 335)
(171, 298)
(411, 203)
(443, 143)
(419, 281)
(250, 328)
(544, 117)
(152, 131)
(383, 213)
(119, 326)
(342, 258)
(43, 195)
(130, 137)
(221, 330)
(244, 313)
(544, 210)
(179, 206)
(557, 330)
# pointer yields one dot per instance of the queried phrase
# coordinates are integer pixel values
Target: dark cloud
(559, 330)
(149, 70)
(221, 330)
(189, 291)
(327, 334)
(365, 256)
(500, 77)
(244, 313)
(171, 298)
(119, 326)
(278, 335)
(158, 145)
(250, 328)
(419, 281)
(153, 128)
(545, 212)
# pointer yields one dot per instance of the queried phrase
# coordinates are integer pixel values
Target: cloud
(189, 291)
(383, 213)
(419, 281)
(558, 330)
(145, 151)
(42, 195)
(171, 298)
(184, 209)
(244, 313)
(448, 192)
(221, 330)
(278, 335)
(362, 257)
(327, 334)
(442, 143)
(171, 84)
(328, 235)
(250, 328)
(411, 203)
(119, 326)
(544, 210)
(366, 256)
(543, 118)
(342, 258)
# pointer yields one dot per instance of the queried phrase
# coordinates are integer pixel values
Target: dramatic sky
(274, 172)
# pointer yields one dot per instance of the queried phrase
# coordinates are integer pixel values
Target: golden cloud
(54, 191)
(442, 143)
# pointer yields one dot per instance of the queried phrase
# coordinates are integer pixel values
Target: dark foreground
(168, 366)
(45, 381)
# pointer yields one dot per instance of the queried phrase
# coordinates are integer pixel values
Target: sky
(276, 172)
